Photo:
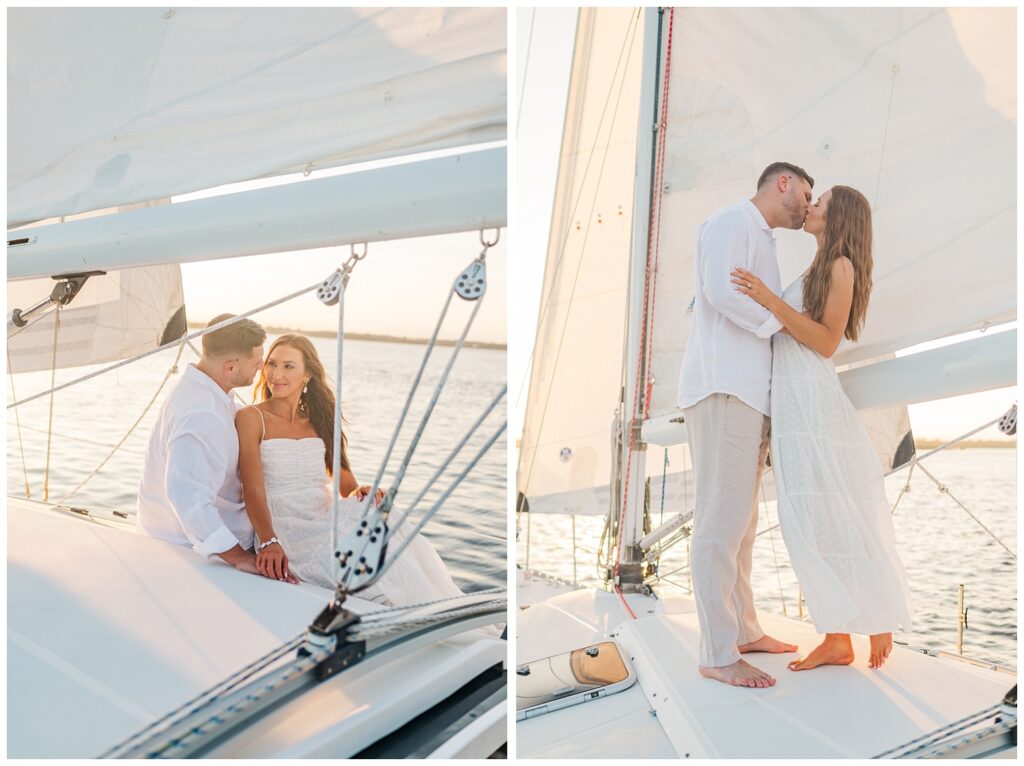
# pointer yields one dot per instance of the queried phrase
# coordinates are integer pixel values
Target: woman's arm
(348, 483)
(349, 486)
(271, 561)
(824, 336)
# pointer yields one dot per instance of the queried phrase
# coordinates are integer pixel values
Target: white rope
(362, 632)
(393, 556)
(449, 459)
(933, 737)
(195, 704)
(166, 346)
(336, 457)
(173, 369)
(376, 626)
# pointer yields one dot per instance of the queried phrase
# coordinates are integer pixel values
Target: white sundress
(299, 497)
(835, 517)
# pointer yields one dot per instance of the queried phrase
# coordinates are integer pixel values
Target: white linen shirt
(729, 350)
(190, 493)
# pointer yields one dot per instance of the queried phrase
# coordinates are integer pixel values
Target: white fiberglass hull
(673, 712)
(109, 630)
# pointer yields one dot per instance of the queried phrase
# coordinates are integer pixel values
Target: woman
(833, 510)
(285, 457)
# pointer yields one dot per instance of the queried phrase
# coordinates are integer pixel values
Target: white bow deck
(108, 630)
(830, 712)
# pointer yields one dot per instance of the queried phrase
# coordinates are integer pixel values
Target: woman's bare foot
(836, 649)
(881, 646)
(767, 644)
(740, 673)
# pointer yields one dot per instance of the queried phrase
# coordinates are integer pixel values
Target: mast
(631, 456)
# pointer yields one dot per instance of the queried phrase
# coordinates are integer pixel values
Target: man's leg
(725, 437)
(743, 594)
(751, 637)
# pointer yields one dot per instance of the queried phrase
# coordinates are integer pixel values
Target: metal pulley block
(360, 552)
(330, 289)
(1008, 422)
(472, 282)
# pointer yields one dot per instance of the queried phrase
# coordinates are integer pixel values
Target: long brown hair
(318, 400)
(847, 233)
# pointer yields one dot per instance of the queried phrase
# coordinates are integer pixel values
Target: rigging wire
(53, 379)
(166, 346)
(888, 113)
(775, 557)
(171, 371)
(17, 421)
(945, 490)
(526, 72)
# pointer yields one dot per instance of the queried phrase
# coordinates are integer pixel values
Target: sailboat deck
(108, 630)
(829, 712)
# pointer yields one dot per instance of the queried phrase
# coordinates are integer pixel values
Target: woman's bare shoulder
(842, 267)
(249, 419)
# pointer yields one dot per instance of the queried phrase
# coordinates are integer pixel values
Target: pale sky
(399, 289)
(542, 72)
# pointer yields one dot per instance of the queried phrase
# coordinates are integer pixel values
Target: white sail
(125, 105)
(921, 118)
(916, 108)
(115, 316)
(565, 459)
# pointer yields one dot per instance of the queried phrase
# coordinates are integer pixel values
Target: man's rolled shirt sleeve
(195, 470)
(728, 246)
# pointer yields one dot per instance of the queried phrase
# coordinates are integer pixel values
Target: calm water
(468, 531)
(940, 545)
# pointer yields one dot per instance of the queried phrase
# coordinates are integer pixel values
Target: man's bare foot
(767, 644)
(881, 646)
(740, 673)
(836, 649)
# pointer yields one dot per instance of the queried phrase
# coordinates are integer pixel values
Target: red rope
(650, 283)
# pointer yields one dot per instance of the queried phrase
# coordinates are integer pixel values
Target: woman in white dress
(833, 510)
(285, 456)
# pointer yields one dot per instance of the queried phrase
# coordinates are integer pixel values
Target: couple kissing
(758, 373)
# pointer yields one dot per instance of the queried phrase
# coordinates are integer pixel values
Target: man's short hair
(238, 338)
(782, 167)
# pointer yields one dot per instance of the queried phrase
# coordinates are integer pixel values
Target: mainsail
(916, 108)
(191, 111)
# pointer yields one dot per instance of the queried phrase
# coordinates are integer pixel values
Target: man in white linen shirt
(724, 391)
(190, 493)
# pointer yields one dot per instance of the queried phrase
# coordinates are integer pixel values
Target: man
(190, 493)
(724, 391)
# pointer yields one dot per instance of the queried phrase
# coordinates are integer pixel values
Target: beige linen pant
(728, 444)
